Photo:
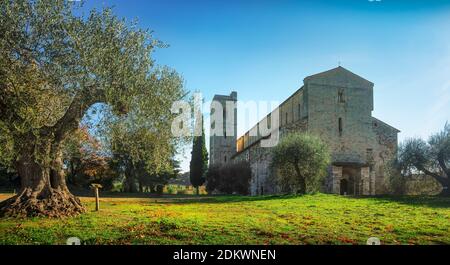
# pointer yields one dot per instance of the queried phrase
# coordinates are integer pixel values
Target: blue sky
(264, 49)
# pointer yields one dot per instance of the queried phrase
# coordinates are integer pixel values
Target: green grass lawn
(309, 219)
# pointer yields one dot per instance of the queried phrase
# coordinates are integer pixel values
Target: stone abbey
(335, 105)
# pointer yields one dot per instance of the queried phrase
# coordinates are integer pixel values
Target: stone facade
(337, 106)
(222, 145)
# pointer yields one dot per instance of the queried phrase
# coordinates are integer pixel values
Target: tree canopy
(54, 66)
(199, 160)
(431, 158)
(300, 161)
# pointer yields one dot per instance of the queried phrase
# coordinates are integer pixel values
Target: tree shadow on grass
(427, 201)
(420, 201)
(243, 198)
(186, 199)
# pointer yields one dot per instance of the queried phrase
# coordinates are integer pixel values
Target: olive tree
(54, 66)
(431, 158)
(300, 161)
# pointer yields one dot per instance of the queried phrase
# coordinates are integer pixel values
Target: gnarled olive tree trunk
(43, 186)
(445, 182)
(443, 179)
(40, 167)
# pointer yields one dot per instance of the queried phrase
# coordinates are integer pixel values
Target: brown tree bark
(130, 180)
(130, 184)
(141, 187)
(445, 182)
(301, 179)
(43, 187)
(44, 190)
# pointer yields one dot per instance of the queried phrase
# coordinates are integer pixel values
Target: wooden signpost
(97, 201)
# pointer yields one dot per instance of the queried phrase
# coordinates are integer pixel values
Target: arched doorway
(351, 177)
(344, 187)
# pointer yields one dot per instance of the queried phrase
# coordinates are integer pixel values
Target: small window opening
(341, 97)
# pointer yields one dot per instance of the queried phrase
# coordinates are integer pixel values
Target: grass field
(309, 219)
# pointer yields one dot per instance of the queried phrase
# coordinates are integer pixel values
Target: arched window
(341, 96)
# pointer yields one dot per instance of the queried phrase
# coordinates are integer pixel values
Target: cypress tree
(199, 161)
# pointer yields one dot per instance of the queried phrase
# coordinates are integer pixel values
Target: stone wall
(260, 160)
(385, 149)
(344, 126)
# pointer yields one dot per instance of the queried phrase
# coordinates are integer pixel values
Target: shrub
(229, 178)
(171, 189)
(212, 178)
(241, 175)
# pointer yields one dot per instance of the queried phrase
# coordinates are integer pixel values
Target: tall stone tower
(223, 128)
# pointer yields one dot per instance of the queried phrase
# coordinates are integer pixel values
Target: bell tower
(223, 128)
